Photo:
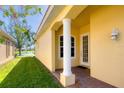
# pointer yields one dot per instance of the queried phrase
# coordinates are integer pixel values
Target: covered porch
(72, 51)
(83, 79)
(72, 46)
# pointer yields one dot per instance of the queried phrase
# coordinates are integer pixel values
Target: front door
(85, 50)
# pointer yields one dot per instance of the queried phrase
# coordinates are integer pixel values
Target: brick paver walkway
(83, 79)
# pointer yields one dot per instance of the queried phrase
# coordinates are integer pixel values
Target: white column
(67, 47)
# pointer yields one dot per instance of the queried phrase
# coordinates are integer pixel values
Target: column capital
(66, 19)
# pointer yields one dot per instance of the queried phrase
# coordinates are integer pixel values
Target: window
(85, 49)
(61, 46)
(72, 47)
(7, 49)
(13, 49)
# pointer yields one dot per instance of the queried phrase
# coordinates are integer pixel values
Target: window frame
(81, 60)
(13, 49)
(63, 48)
(8, 43)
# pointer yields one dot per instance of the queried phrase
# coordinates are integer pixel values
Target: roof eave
(7, 35)
(50, 8)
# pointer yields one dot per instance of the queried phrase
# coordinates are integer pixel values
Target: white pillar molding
(67, 47)
(67, 78)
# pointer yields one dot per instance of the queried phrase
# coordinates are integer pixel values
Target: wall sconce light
(114, 34)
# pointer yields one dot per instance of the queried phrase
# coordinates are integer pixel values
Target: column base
(67, 80)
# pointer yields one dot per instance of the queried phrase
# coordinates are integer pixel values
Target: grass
(25, 53)
(6, 68)
(26, 72)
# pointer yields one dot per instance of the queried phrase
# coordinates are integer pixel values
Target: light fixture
(114, 34)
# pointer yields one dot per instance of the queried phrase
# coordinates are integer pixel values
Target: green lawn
(25, 53)
(26, 72)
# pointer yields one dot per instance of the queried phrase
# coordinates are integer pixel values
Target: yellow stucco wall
(3, 58)
(2, 52)
(84, 29)
(107, 61)
(44, 49)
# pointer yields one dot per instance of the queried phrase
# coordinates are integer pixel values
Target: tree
(2, 40)
(18, 26)
(30, 44)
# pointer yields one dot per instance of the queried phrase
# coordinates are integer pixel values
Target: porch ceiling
(84, 17)
(71, 12)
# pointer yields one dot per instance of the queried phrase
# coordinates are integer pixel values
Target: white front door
(84, 56)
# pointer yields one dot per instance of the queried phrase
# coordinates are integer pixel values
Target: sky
(33, 21)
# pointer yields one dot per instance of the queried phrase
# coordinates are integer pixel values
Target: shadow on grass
(29, 73)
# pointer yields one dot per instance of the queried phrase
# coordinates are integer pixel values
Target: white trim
(45, 17)
(7, 36)
(63, 43)
(81, 50)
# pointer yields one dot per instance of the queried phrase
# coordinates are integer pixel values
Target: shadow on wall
(29, 73)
